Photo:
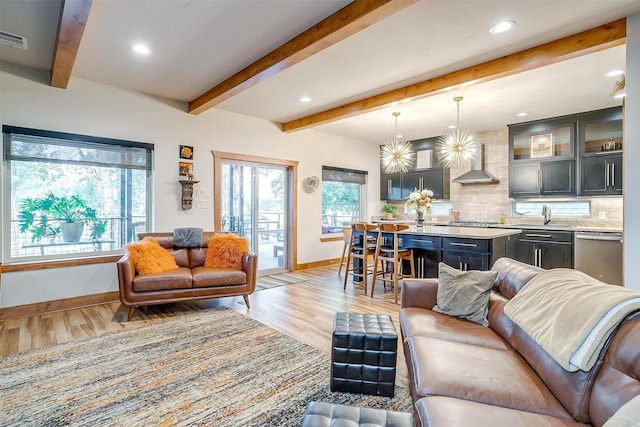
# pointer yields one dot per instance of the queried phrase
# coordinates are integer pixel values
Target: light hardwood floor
(303, 310)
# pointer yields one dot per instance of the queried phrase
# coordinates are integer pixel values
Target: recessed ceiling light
(305, 99)
(140, 48)
(615, 73)
(501, 27)
(452, 126)
(522, 114)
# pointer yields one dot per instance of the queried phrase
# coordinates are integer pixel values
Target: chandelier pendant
(397, 156)
(457, 147)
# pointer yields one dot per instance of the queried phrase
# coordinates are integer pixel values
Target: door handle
(460, 265)
(388, 187)
(613, 174)
(607, 174)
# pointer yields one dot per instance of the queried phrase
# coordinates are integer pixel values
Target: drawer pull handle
(471, 245)
(423, 241)
(546, 236)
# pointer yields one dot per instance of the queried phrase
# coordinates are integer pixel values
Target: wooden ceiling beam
(73, 19)
(354, 17)
(593, 40)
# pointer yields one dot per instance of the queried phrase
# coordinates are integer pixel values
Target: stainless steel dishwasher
(599, 255)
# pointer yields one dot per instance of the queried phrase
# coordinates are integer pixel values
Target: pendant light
(396, 155)
(458, 147)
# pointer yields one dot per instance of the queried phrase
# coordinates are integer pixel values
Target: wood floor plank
(303, 310)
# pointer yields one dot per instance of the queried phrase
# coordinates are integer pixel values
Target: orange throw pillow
(149, 257)
(225, 250)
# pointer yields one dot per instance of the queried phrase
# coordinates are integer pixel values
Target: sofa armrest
(126, 273)
(250, 267)
(420, 293)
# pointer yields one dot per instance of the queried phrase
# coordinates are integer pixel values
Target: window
(343, 193)
(68, 195)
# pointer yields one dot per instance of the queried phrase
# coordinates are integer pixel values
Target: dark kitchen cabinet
(600, 140)
(432, 179)
(542, 158)
(546, 249)
(391, 186)
(426, 172)
(466, 254)
(601, 175)
(551, 178)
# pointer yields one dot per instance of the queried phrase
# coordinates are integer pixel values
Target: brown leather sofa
(191, 281)
(464, 374)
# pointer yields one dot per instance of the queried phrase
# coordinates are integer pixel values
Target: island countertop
(462, 232)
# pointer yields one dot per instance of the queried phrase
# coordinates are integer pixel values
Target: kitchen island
(466, 248)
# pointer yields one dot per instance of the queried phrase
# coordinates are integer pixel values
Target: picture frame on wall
(186, 152)
(185, 168)
(541, 145)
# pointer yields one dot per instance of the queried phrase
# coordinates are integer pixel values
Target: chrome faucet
(546, 213)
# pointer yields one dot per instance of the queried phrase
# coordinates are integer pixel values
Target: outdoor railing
(118, 233)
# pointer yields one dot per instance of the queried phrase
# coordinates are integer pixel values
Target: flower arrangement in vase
(420, 200)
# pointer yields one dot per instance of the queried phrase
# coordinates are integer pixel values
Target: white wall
(99, 110)
(632, 157)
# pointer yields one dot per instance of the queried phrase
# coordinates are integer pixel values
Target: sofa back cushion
(513, 275)
(618, 380)
(572, 389)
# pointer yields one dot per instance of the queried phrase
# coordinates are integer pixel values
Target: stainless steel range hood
(477, 174)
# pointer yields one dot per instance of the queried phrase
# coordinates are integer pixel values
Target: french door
(254, 202)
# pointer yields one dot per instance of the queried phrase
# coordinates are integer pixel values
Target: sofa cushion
(420, 322)
(464, 294)
(204, 277)
(181, 256)
(482, 374)
(175, 279)
(149, 257)
(187, 237)
(440, 411)
(226, 251)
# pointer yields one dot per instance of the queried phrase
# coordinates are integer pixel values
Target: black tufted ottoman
(364, 353)
(320, 414)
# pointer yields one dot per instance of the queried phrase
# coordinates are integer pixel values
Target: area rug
(213, 368)
(275, 280)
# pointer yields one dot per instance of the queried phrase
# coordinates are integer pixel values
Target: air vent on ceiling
(13, 40)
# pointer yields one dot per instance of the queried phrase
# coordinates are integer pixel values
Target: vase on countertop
(420, 218)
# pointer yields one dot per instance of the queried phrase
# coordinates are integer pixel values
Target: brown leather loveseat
(465, 374)
(191, 281)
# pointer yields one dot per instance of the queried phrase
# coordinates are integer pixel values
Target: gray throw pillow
(464, 294)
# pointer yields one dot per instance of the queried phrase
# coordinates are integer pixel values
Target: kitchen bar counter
(463, 232)
(466, 248)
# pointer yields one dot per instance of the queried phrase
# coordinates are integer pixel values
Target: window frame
(71, 139)
(337, 174)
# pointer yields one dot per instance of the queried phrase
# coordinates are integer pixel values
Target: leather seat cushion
(204, 277)
(477, 373)
(175, 279)
(426, 323)
(440, 411)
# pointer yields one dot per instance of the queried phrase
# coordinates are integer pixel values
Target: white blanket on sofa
(570, 314)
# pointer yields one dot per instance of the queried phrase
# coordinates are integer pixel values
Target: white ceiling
(197, 44)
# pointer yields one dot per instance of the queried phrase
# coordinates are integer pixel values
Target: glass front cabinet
(600, 141)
